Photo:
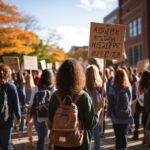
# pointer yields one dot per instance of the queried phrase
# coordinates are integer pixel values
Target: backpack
(42, 98)
(97, 98)
(4, 114)
(121, 111)
(67, 130)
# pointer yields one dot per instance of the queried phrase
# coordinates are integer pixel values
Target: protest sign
(49, 65)
(43, 64)
(12, 62)
(100, 63)
(57, 65)
(143, 65)
(106, 40)
(124, 57)
(30, 63)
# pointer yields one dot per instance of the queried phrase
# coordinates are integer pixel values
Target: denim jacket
(13, 104)
(111, 114)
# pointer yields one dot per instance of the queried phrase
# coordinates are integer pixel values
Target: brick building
(136, 15)
(112, 17)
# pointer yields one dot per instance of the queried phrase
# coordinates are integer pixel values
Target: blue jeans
(21, 126)
(5, 138)
(121, 132)
(42, 131)
(96, 136)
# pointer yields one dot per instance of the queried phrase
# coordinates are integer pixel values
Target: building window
(130, 56)
(135, 55)
(130, 29)
(135, 28)
(139, 26)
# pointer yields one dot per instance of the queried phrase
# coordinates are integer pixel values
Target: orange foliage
(9, 14)
(58, 57)
(55, 53)
(12, 38)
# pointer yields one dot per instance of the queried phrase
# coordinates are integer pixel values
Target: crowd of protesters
(120, 93)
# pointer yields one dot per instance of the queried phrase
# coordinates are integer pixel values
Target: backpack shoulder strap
(75, 97)
(58, 98)
(48, 95)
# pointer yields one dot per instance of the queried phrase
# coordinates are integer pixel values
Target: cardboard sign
(12, 62)
(106, 40)
(43, 64)
(124, 57)
(30, 63)
(143, 65)
(49, 65)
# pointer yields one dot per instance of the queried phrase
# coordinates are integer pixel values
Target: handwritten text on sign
(106, 41)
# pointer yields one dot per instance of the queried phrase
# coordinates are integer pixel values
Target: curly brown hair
(70, 77)
(121, 79)
(5, 73)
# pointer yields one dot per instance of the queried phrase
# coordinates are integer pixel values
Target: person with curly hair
(70, 80)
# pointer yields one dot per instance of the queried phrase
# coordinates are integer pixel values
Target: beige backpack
(66, 128)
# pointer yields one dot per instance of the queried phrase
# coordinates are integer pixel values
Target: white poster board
(57, 65)
(106, 40)
(30, 63)
(49, 65)
(43, 64)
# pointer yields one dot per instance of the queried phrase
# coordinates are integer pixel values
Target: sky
(70, 19)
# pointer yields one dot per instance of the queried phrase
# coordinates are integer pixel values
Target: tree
(55, 53)
(31, 24)
(9, 15)
(50, 53)
(79, 53)
(13, 39)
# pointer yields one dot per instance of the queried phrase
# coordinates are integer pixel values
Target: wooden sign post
(106, 42)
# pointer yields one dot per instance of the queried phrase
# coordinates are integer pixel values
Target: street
(107, 143)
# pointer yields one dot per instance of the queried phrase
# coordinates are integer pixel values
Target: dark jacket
(33, 113)
(13, 104)
(21, 96)
(86, 115)
(109, 85)
(147, 101)
(125, 105)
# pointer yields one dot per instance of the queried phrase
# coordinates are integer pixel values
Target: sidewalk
(107, 142)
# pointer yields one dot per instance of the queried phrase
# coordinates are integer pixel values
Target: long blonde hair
(29, 82)
(93, 78)
(5, 73)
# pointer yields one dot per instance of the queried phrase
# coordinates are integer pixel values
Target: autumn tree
(79, 53)
(55, 53)
(13, 39)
